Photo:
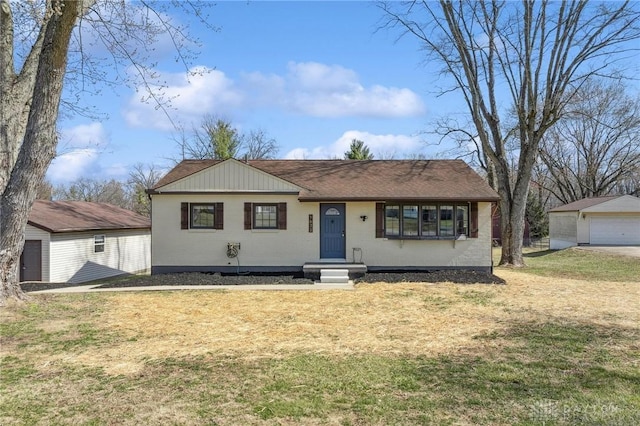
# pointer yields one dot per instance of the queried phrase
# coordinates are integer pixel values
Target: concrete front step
(334, 276)
(312, 269)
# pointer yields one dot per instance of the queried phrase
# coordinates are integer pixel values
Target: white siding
(623, 204)
(172, 246)
(564, 230)
(33, 233)
(623, 230)
(382, 252)
(73, 258)
(231, 175)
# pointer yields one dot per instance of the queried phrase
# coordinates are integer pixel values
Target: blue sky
(312, 75)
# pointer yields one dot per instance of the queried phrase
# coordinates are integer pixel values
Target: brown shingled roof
(365, 179)
(70, 216)
(583, 204)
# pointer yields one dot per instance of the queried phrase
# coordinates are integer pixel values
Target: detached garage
(76, 241)
(597, 221)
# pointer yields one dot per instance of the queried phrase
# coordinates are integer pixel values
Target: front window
(437, 221)
(446, 221)
(462, 220)
(392, 220)
(203, 216)
(430, 220)
(410, 221)
(265, 216)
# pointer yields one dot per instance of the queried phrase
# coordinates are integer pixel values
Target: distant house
(277, 215)
(75, 241)
(611, 220)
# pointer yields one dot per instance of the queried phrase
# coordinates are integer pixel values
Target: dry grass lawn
(539, 350)
(385, 319)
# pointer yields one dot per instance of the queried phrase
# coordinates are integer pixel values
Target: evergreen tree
(358, 151)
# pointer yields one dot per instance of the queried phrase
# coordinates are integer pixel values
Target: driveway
(633, 251)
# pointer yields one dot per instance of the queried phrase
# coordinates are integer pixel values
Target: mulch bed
(196, 279)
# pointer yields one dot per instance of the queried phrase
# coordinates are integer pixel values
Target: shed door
(332, 232)
(615, 230)
(31, 261)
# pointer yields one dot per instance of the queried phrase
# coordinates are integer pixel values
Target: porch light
(363, 217)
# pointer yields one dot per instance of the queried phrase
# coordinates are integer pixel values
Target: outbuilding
(77, 241)
(613, 220)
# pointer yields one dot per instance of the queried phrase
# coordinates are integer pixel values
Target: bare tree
(213, 138)
(630, 184)
(217, 138)
(258, 145)
(36, 41)
(141, 178)
(595, 145)
(95, 190)
(45, 191)
(527, 57)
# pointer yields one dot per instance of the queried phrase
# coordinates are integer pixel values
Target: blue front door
(332, 236)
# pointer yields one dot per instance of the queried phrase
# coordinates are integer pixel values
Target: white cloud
(70, 166)
(202, 90)
(333, 91)
(307, 88)
(84, 135)
(81, 146)
(381, 146)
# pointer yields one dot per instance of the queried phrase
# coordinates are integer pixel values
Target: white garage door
(615, 230)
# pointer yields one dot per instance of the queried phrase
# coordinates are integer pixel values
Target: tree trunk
(38, 142)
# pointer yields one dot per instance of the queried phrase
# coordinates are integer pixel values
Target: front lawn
(544, 349)
(579, 264)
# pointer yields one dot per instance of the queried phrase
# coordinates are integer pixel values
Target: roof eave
(397, 199)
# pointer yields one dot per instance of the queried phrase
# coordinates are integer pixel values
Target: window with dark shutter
(184, 215)
(265, 215)
(219, 216)
(282, 215)
(247, 215)
(201, 215)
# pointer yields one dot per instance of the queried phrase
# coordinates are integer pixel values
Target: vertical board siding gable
(231, 175)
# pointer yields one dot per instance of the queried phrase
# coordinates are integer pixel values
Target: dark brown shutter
(282, 215)
(379, 220)
(219, 218)
(247, 215)
(473, 232)
(184, 215)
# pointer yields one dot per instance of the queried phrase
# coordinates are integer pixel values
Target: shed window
(98, 243)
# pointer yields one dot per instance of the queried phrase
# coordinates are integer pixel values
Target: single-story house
(613, 220)
(77, 241)
(288, 215)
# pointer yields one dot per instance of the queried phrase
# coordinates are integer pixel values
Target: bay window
(426, 221)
